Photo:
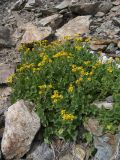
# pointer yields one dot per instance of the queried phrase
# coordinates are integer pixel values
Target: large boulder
(32, 33)
(85, 8)
(78, 25)
(21, 126)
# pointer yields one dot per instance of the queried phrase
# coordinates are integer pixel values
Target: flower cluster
(66, 116)
(56, 96)
(44, 87)
(62, 54)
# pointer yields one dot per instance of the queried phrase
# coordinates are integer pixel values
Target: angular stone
(97, 47)
(33, 33)
(5, 38)
(116, 21)
(99, 14)
(5, 71)
(21, 126)
(105, 7)
(92, 125)
(64, 4)
(85, 8)
(33, 3)
(41, 152)
(53, 21)
(4, 99)
(78, 25)
(18, 5)
(104, 104)
(108, 147)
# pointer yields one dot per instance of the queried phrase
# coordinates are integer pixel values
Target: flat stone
(97, 47)
(21, 126)
(32, 33)
(53, 21)
(99, 14)
(92, 125)
(104, 104)
(78, 25)
(85, 8)
(64, 4)
(18, 5)
(41, 152)
(5, 71)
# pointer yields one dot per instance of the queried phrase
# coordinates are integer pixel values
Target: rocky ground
(24, 21)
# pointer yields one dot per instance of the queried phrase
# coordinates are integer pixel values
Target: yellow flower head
(66, 116)
(10, 78)
(109, 69)
(70, 88)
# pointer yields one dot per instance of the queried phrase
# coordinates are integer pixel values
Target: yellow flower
(66, 116)
(56, 96)
(87, 62)
(62, 53)
(89, 78)
(78, 48)
(88, 39)
(117, 59)
(110, 70)
(66, 37)
(79, 80)
(70, 88)
(10, 78)
(91, 73)
(75, 68)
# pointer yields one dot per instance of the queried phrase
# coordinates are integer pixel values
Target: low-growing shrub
(63, 80)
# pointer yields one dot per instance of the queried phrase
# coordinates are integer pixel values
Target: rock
(116, 3)
(109, 99)
(41, 152)
(19, 5)
(85, 8)
(21, 126)
(105, 7)
(32, 3)
(118, 44)
(92, 125)
(77, 153)
(78, 25)
(54, 21)
(4, 100)
(1, 132)
(5, 71)
(108, 147)
(33, 33)
(111, 48)
(5, 38)
(95, 47)
(64, 4)
(116, 21)
(99, 14)
(114, 9)
(104, 104)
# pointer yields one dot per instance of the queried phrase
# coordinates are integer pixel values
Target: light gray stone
(78, 25)
(21, 126)
(104, 104)
(41, 152)
(105, 7)
(32, 33)
(64, 4)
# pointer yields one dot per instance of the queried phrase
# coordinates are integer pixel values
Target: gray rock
(64, 4)
(104, 104)
(111, 48)
(18, 5)
(93, 126)
(5, 38)
(32, 33)
(32, 3)
(109, 99)
(78, 25)
(21, 125)
(41, 152)
(52, 21)
(85, 8)
(4, 100)
(5, 71)
(116, 21)
(99, 14)
(105, 7)
(108, 147)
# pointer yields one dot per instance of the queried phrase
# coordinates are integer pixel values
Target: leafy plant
(63, 80)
